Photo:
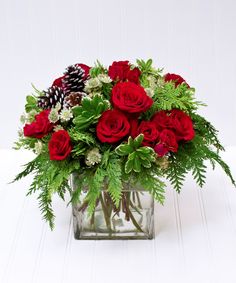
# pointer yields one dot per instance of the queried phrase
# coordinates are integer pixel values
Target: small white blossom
(58, 128)
(104, 78)
(66, 115)
(58, 106)
(38, 147)
(53, 116)
(92, 83)
(93, 156)
(149, 91)
(152, 82)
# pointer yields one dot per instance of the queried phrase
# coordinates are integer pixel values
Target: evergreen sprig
(168, 96)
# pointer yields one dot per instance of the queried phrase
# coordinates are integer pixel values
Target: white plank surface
(195, 237)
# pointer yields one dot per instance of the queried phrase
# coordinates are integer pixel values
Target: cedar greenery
(118, 165)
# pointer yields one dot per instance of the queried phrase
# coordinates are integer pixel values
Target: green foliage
(191, 156)
(181, 97)
(114, 173)
(25, 142)
(97, 69)
(89, 112)
(31, 104)
(95, 184)
(137, 156)
(206, 130)
(32, 101)
(146, 68)
(82, 141)
(149, 180)
(50, 177)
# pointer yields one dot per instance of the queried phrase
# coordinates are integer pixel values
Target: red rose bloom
(112, 126)
(86, 70)
(162, 120)
(59, 145)
(133, 75)
(149, 130)
(182, 125)
(175, 78)
(133, 128)
(130, 98)
(40, 127)
(167, 143)
(119, 70)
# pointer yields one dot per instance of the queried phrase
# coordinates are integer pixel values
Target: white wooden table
(195, 237)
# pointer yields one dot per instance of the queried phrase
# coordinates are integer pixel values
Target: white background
(194, 38)
(195, 231)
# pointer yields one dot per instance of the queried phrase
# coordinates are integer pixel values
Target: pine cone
(73, 99)
(74, 79)
(51, 97)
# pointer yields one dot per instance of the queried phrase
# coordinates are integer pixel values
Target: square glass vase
(132, 219)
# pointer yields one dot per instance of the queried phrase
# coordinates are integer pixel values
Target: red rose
(150, 132)
(59, 145)
(58, 82)
(167, 143)
(131, 98)
(86, 70)
(182, 125)
(112, 126)
(119, 70)
(133, 128)
(133, 75)
(175, 78)
(162, 120)
(40, 127)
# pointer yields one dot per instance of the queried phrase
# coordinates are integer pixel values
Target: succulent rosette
(122, 122)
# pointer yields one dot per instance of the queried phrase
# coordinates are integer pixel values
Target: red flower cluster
(40, 127)
(163, 132)
(121, 71)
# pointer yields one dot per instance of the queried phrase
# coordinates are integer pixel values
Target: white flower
(149, 91)
(38, 147)
(58, 106)
(92, 84)
(58, 128)
(93, 156)
(152, 82)
(53, 116)
(104, 78)
(66, 115)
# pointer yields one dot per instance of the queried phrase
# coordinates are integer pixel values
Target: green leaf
(129, 166)
(31, 103)
(89, 112)
(138, 141)
(124, 149)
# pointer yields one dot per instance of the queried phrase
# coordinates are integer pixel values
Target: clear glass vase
(133, 219)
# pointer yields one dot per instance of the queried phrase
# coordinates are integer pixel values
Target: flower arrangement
(128, 123)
